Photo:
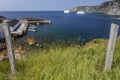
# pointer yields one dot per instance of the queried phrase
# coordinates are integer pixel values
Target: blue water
(68, 26)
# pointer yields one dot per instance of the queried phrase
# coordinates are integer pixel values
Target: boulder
(3, 55)
(2, 18)
(30, 41)
(39, 45)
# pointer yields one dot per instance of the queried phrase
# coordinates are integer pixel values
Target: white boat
(66, 11)
(32, 30)
(80, 12)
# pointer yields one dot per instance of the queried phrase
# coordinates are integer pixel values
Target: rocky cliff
(110, 8)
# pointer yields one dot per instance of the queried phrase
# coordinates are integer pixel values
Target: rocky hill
(110, 8)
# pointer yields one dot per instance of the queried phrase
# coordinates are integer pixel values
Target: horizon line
(30, 10)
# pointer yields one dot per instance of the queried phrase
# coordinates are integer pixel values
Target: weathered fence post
(9, 46)
(111, 46)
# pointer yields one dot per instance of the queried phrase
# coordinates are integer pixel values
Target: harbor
(21, 27)
(18, 28)
(60, 40)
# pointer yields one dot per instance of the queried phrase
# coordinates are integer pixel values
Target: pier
(20, 27)
(40, 22)
(37, 21)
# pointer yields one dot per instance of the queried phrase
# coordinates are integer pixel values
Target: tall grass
(59, 62)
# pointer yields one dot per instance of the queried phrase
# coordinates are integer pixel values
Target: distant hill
(110, 8)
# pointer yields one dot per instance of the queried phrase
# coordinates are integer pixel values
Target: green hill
(117, 1)
(61, 62)
(110, 8)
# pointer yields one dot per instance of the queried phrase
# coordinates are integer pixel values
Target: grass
(61, 62)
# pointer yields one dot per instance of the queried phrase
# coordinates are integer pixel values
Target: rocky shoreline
(19, 49)
(109, 8)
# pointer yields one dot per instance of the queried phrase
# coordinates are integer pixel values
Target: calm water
(68, 26)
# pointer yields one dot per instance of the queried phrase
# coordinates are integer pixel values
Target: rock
(109, 8)
(30, 41)
(3, 55)
(39, 45)
(117, 18)
(2, 18)
(19, 52)
(19, 49)
(19, 56)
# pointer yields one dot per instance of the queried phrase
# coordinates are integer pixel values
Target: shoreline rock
(109, 8)
(117, 18)
(2, 18)
(30, 41)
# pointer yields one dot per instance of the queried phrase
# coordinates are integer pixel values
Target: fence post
(9, 47)
(111, 46)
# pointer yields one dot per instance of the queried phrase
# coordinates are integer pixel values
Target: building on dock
(21, 28)
(13, 24)
(17, 27)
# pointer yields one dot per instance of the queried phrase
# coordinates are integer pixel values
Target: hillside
(109, 8)
(60, 62)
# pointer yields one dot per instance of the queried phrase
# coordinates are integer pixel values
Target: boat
(66, 11)
(80, 12)
(32, 30)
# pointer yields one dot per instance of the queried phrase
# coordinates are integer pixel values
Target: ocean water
(68, 27)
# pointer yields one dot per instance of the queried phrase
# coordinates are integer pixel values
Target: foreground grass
(60, 62)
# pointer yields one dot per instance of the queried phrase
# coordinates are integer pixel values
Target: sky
(45, 5)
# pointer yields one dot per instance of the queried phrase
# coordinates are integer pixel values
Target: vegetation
(117, 1)
(61, 62)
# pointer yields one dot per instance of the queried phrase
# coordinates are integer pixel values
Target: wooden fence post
(9, 47)
(111, 46)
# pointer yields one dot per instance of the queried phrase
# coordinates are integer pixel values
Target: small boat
(80, 12)
(66, 11)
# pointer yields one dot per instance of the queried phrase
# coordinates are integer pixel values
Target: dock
(40, 22)
(20, 27)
